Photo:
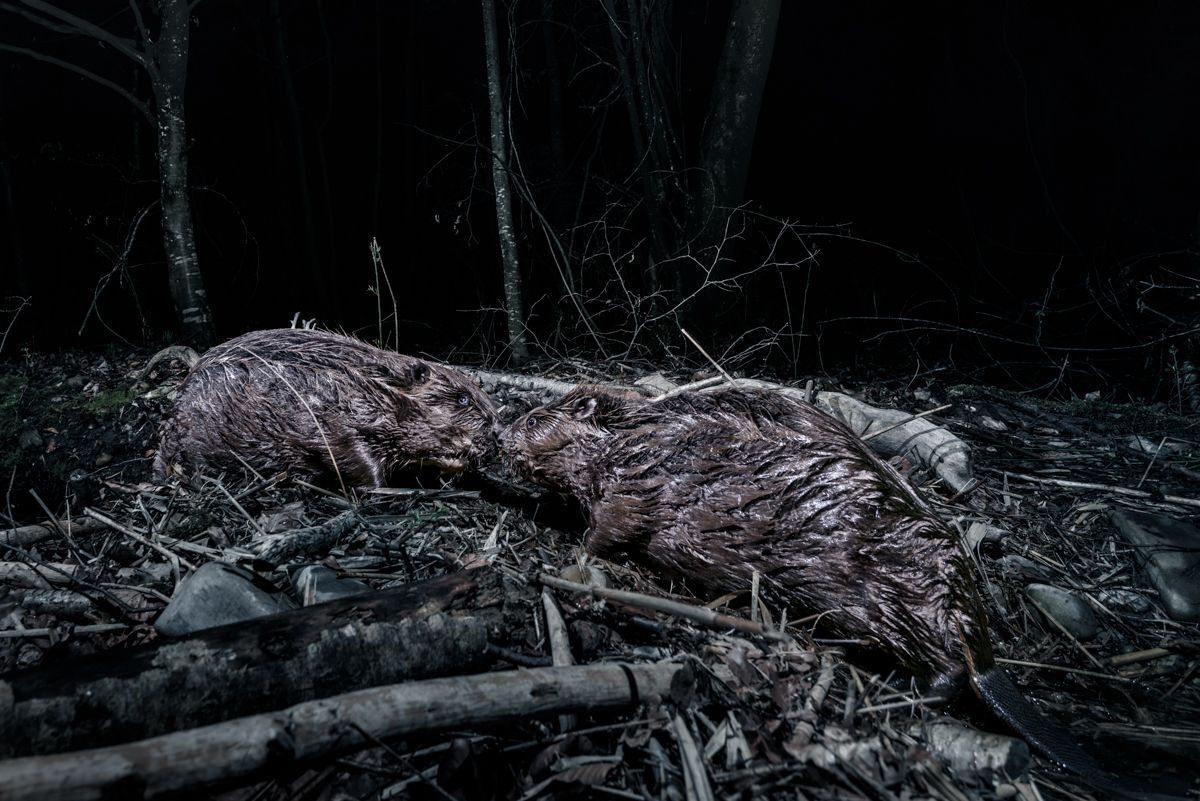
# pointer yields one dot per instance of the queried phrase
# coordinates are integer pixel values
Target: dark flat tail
(1053, 739)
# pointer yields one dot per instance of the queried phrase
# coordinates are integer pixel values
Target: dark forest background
(1008, 191)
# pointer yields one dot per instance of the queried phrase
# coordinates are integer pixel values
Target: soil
(70, 421)
(802, 719)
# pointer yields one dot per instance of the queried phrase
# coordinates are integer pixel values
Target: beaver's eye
(531, 423)
(464, 399)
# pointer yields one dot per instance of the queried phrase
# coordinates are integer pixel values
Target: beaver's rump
(710, 489)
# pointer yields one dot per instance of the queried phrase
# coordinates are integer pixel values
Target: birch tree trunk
(165, 63)
(169, 78)
(504, 219)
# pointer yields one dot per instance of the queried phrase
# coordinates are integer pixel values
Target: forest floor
(788, 717)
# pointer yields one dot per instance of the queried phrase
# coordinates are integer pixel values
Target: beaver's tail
(1053, 740)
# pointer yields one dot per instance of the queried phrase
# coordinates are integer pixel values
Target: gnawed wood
(248, 747)
(250, 667)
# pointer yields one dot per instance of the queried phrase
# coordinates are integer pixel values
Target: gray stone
(316, 584)
(592, 576)
(215, 595)
(1066, 608)
(979, 532)
(29, 440)
(1125, 601)
(1019, 566)
(1169, 551)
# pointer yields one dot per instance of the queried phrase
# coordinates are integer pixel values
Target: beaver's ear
(585, 407)
(418, 373)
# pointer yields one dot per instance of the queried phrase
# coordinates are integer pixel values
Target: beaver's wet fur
(324, 407)
(712, 487)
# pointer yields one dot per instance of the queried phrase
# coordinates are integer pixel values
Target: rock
(978, 533)
(284, 518)
(1125, 601)
(1151, 447)
(992, 423)
(29, 440)
(1020, 567)
(316, 584)
(1169, 551)
(215, 595)
(1068, 609)
(592, 576)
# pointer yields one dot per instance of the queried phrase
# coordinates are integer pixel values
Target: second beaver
(711, 488)
(326, 407)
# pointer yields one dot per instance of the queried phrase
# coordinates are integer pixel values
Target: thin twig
(905, 421)
(695, 614)
(253, 524)
(1146, 472)
(1059, 668)
(700, 348)
(1062, 482)
(113, 524)
(96, 628)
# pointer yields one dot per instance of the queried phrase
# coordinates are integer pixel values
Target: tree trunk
(504, 220)
(179, 242)
(198, 762)
(728, 139)
(429, 628)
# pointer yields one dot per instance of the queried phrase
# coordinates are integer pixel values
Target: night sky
(1009, 188)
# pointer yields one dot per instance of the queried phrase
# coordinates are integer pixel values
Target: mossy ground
(72, 419)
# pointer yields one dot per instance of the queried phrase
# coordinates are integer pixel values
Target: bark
(265, 744)
(28, 535)
(504, 219)
(165, 63)
(250, 667)
(169, 78)
(728, 140)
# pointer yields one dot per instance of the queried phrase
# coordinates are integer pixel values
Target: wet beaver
(326, 407)
(710, 488)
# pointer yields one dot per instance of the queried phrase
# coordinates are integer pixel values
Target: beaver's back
(325, 407)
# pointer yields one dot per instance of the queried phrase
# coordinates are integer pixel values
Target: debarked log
(246, 748)
(418, 630)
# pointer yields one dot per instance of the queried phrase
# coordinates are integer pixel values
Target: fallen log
(28, 535)
(240, 750)
(258, 665)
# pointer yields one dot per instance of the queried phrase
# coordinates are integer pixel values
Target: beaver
(710, 488)
(326, 407)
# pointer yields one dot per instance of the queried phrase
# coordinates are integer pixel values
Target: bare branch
(37, 19)
(83, 26)
(141, 25)
(67, 65)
